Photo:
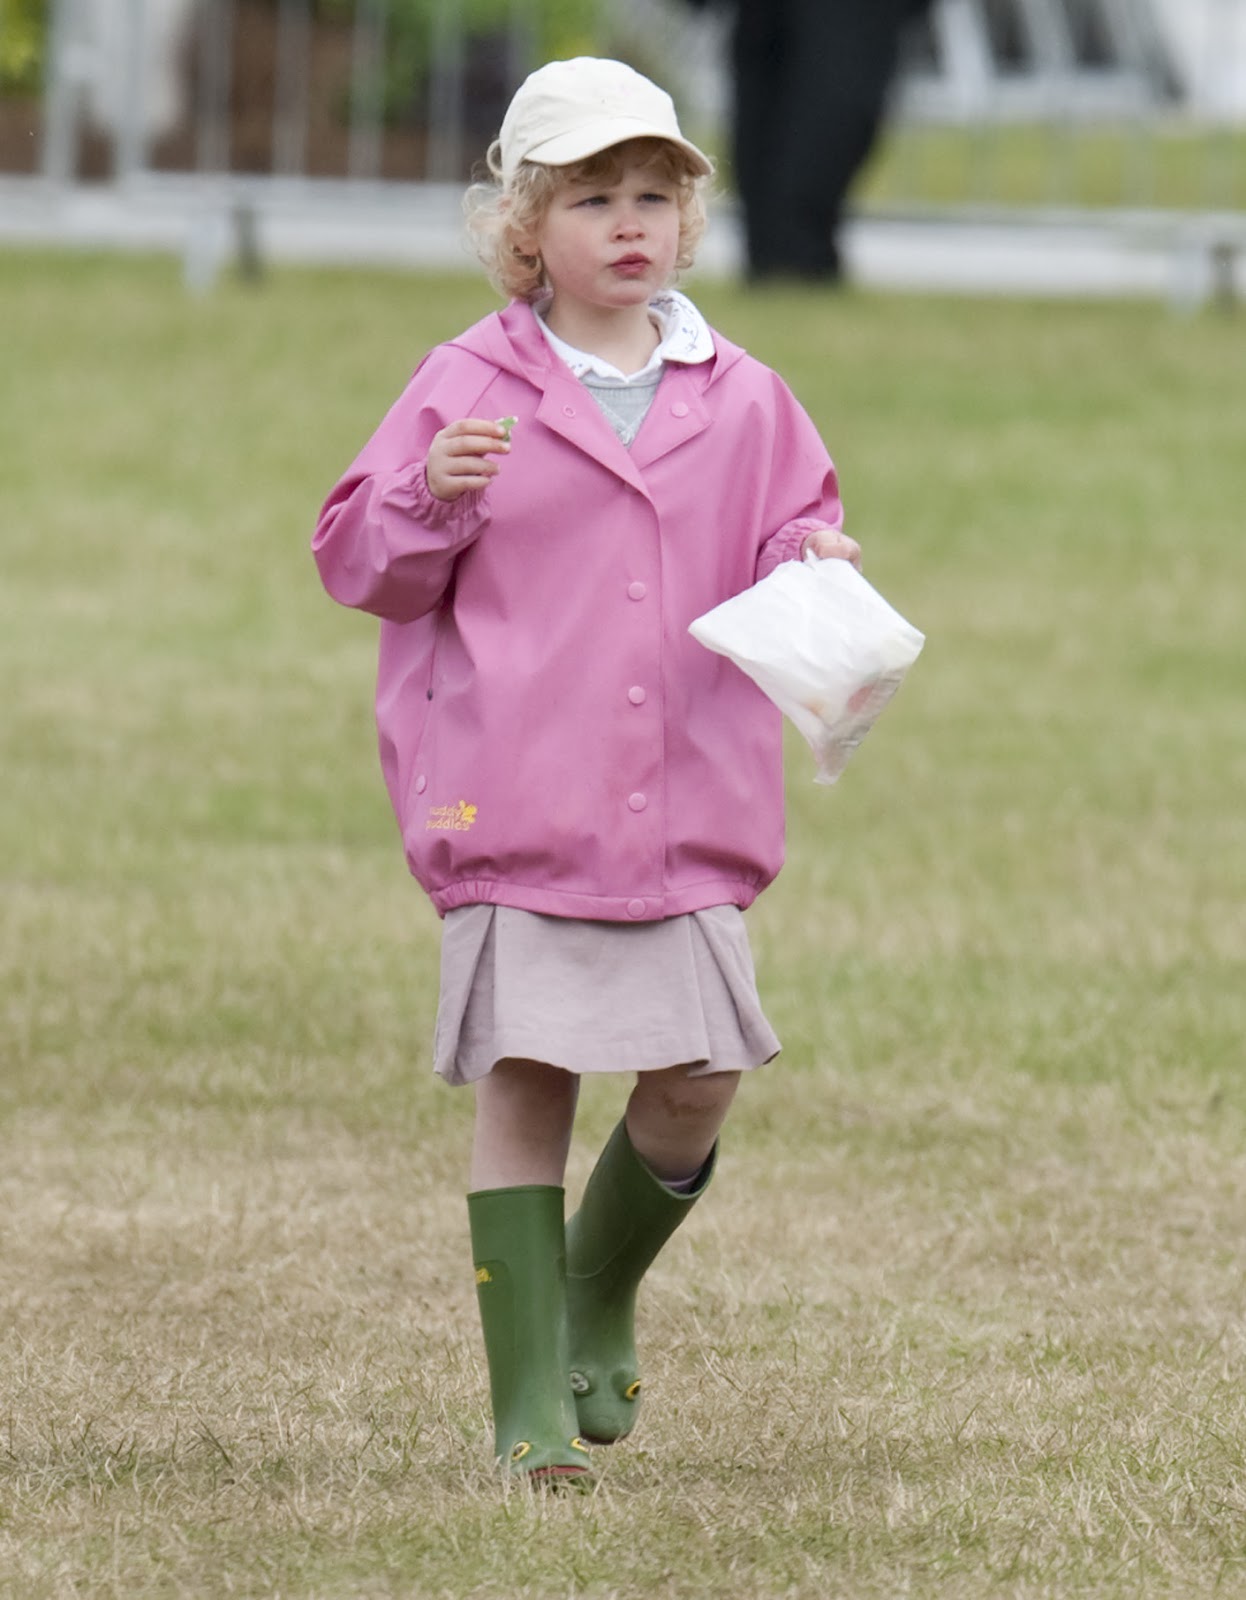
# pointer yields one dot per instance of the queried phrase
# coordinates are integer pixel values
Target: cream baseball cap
(568, 110)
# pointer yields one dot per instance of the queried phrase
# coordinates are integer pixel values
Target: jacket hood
(511, 341)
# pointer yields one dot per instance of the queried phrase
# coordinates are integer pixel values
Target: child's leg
(673, 1120)
(524, 1114)
(628, 1212)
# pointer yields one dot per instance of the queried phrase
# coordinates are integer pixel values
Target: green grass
(1060, 166)
(963, 1315)
(1166, 165)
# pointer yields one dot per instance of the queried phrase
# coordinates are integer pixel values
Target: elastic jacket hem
(597, 908)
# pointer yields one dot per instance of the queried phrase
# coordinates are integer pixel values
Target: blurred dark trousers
(811, 81)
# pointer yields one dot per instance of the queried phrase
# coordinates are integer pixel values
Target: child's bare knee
(676, 1096)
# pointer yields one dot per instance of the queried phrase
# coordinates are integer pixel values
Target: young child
(588, 796)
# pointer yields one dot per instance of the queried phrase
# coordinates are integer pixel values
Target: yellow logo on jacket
(457, 818)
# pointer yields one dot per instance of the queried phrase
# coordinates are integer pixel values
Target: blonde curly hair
(498, 214)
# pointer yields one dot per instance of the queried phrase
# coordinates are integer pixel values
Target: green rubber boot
(625, 1218)
(520, 1255)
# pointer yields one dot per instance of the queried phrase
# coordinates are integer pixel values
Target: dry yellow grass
(936, 1345)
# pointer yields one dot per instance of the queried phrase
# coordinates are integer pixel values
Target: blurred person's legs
(811, 82)
(760, 66)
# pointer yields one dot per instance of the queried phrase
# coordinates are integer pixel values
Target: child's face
(610, 246)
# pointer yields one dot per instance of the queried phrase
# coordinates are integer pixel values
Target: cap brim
(594, 137)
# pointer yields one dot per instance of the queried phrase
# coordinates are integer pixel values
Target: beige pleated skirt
(598, 996)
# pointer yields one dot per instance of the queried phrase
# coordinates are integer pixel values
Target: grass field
(1063, 163)
(964, 1314)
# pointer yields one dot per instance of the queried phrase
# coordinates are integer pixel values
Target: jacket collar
(683, 335)
(511, 340)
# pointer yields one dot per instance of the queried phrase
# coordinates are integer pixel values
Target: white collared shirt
(684, 336)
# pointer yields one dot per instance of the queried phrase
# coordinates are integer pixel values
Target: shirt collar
(684, 337)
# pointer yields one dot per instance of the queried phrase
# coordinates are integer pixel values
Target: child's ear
(522, 242)
(526, 242)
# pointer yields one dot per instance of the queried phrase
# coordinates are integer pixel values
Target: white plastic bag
(823, 644)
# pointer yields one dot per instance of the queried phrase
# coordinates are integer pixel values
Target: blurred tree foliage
(22, 27)
(411, 27)
(560, 28)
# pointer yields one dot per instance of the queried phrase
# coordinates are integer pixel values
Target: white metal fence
(159, 121)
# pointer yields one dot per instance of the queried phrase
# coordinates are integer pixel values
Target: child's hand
(830, 544)
(458, 458)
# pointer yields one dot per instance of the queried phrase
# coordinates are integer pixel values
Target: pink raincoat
(551, 736)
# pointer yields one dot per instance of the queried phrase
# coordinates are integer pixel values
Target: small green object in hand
(506, 424)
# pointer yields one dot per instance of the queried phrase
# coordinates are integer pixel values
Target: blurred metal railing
(131, 87)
